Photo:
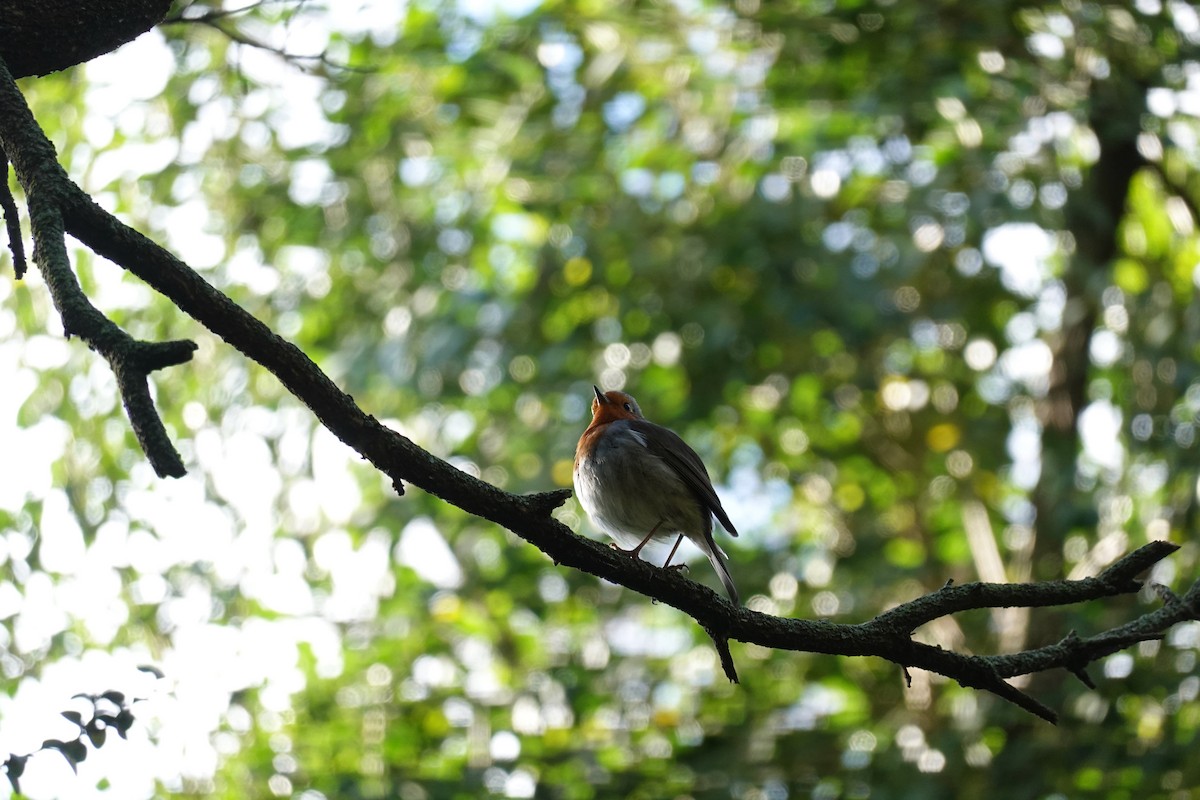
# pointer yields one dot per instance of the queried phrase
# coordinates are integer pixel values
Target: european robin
(639, 482)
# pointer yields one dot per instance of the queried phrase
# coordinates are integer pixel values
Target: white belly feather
(641, 491)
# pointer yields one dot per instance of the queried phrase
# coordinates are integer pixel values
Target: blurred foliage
(853, 251)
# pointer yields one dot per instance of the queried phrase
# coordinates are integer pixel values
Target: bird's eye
(629, 408)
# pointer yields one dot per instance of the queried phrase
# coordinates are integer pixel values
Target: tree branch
(59, 204)
(1117, 579)
(38, 37)
(47, 188)
(186, 14)
(12, 221)
(218, 20)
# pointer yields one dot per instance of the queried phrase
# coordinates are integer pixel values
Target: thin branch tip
(1146, 555)
(1165, 594)
(1002, 688)
(543, 503)
(151, 356)
(1082, 675)
(721, 643)
(12, 221)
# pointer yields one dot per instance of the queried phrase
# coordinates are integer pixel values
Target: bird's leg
(667, 563)
(637, 550)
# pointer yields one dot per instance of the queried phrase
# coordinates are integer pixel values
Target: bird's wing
(667, 445)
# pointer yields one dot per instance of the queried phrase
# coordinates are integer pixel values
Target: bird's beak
(599, 395)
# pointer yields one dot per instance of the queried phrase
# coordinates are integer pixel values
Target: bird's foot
(634, 553)
(677, 568)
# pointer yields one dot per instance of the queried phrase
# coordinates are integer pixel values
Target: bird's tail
(715, 557)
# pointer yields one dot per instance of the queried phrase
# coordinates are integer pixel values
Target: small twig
(216, 19)
(1117, 579)
(46, 187)
(1165, 594)
(131, 360)
(973, 672)
(212, 13)
(1077, 666)
(721, 643)
(1073, 653)
(12, 221)
(545, 502)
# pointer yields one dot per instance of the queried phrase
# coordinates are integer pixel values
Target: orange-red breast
(640, 482)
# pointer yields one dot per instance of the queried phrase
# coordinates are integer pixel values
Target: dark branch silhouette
(58, 206)
(220, 20)
(38, 37)
(12, 221)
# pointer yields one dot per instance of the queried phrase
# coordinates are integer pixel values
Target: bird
(640, 482)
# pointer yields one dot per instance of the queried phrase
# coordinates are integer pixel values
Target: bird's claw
(634, 553)
(677, 568)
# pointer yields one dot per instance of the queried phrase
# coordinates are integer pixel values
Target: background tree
(917, 281)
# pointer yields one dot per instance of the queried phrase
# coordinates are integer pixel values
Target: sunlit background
(856, 253)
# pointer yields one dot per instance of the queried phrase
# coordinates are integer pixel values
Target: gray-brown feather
(628, 495)
(667, 445)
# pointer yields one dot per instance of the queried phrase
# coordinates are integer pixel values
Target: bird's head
(610, 406)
